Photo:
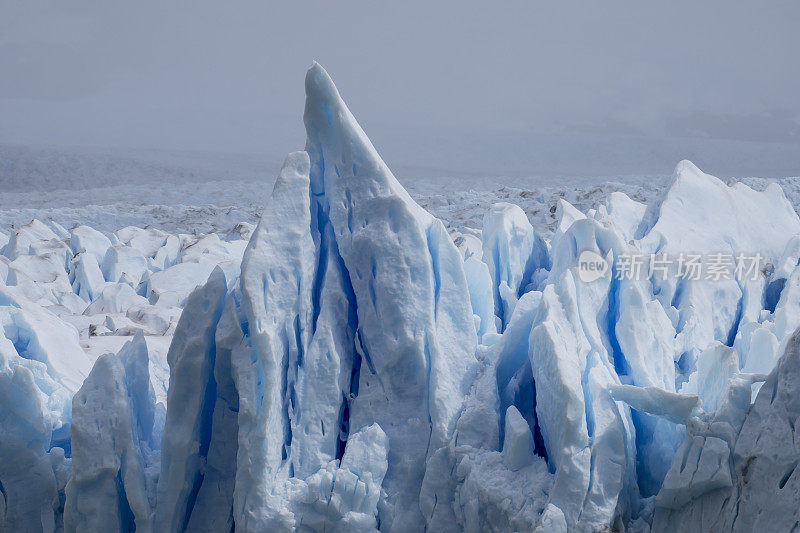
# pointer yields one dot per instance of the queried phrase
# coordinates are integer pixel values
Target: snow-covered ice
(346, 354)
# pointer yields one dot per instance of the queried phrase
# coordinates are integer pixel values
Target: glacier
(350, 364)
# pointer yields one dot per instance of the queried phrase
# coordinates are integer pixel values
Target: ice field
(333, 350)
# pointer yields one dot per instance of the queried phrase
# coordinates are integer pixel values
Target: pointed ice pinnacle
(276, 280)
(415, 323)
(518, 443)
(190, 405)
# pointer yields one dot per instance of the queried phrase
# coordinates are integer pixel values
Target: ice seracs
(26, 469)
(58, 314)
(700, 213)
(276, 286)
(738, 472)
(37, 334)
(350, 365)
(85, 239)
(514, 254)
(112, 445)
(190, 407)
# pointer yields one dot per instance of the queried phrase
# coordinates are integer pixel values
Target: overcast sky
(442, 86)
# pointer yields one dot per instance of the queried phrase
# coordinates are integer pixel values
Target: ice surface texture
(354, 369)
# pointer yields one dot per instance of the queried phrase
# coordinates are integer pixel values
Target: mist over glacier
(353, 363)
(445, 90)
